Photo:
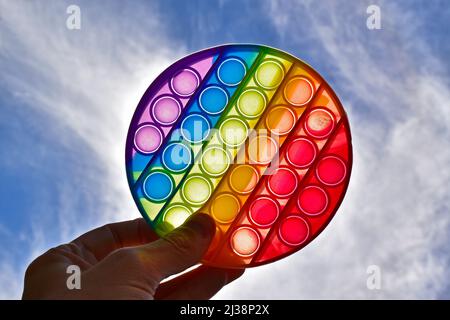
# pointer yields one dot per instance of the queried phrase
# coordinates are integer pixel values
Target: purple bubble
(147, 138)
(166, 110)
(185, 82)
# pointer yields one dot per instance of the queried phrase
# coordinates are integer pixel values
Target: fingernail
(202, 224)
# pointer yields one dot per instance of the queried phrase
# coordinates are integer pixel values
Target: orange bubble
(262, 149)
(298, 91)
(243, 179)
(225, 207)
(280, 120)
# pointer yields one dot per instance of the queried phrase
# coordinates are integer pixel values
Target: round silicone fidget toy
(248, 134)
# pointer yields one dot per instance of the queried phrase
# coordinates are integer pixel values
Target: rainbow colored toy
(248, 134)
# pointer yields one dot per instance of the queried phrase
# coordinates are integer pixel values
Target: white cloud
(395, 213)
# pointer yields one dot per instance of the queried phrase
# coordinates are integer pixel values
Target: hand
(127, 260)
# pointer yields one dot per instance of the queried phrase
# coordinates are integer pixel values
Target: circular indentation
(319, 123)
(243, 179)
(215, 161)
(301, 152)
(269, 74)
(176, 215)
(213, 100)
(293, 230)
(251, 103)
(185, 82)
(245, 241)
(166, 110)
(233, 132)
(313, 200)
(298, 91)
(195, 128)
(196, 190)
(147, 138)
(282, 182)
(280, 120)
(176, 157)
(157, 186)
(263, 211)
(231, 72)
(225, 207)
(262, 149)
(331, 170)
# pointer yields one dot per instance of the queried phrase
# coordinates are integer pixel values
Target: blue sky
(67, 97)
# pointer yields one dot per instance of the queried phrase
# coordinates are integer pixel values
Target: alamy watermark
(373, 281)
(373, 21)
(73, 21)
(74, 279)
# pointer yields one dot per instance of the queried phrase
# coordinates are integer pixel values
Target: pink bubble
(185, 82)
(147, 138)
(166, 110)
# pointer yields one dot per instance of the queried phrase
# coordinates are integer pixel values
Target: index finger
(103, 240)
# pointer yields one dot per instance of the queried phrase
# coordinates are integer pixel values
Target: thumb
(181, 248)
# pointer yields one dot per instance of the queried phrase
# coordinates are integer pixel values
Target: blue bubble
(176, 157)
(158, 186)
(213, 100)
(231, 72)
(195, 128)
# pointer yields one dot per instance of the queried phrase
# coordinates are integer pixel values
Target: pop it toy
(248, 134)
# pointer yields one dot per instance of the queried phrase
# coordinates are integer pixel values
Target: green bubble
(233, 132)
(176, 215)
(196, 190)
(251, 103)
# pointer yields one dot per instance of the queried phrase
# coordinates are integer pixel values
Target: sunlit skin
(127, 260)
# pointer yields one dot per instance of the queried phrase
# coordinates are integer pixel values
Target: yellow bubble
(176, 215)
(251, 103)
(225, 207)
(215, 161)
(196, 190)
(233, 132)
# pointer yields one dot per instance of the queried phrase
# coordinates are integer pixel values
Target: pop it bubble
(248, 134)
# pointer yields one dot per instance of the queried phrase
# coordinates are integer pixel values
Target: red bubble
(319, 123)
(282, 182)
(313, 200)
(293, 230)
(331, 170)
(263, 211)
(301, 152)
